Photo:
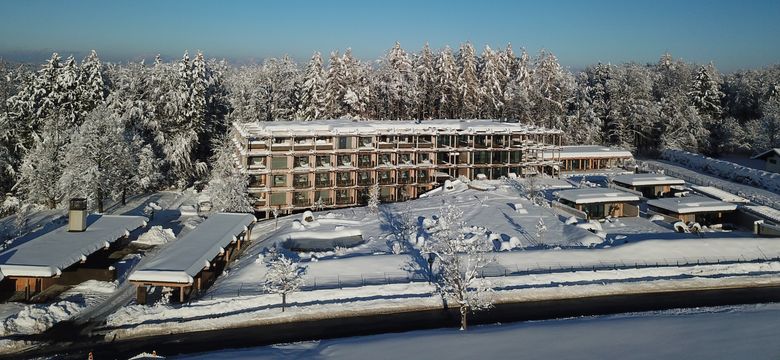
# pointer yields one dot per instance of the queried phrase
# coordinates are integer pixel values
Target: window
(385, 159)
(279, 162)
(481, 157)
(323, 161)
(301, 161)
(365, 141)
(405, 159)
(772, 161)
(256, 162)
(364, 160)
(281, 140)
(424, 158)
(280, 180)
(344, 142)
(345, 160)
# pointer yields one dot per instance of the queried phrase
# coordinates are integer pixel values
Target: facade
(296, 165)
(652, 186)
(693, 208)
(771, 158)
(599, 203)
(586, 158)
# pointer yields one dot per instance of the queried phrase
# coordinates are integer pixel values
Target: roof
(647, 179)
(765, 154)
(596, 195)
(720, 194)
(181, 261)
(589, 151)
(691, 204)
(353, 127)
(47, 254)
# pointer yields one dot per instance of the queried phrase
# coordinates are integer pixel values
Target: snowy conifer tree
(398, 84)
(424, 67)
(447, 85)
(41, 171)
(460, 257)
(469, 91)
(92, 86)
(283, 277)
(313, 90)
(705, 93)
(227, 184)
(492, 85)
(373, 198)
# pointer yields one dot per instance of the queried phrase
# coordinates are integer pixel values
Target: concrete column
(140, 296)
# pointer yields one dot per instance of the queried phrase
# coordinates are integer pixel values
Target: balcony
(366, 164)
(405, 145)
(365, 182)
(345, 182)
(324, 201)
(386, 198)
(256, 184)
(424, 144)
(345, 201)
(302, 184)
(323, 184)
(301, 202)
(405, 180)
(386, 181)
(384, 145)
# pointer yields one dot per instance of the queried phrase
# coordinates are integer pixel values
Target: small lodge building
(599, 203)
(67, 255)
(585, 158)
(195, 260)
(652, 186)
(692, 208)
(771, 158)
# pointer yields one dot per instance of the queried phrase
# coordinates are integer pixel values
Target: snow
(719, 194)
(691, 204)
(47, 254)
(728, 332)
(724, 169)
(596, 195)
(156, 235)
(186, 257)
(587, 151)
(646, 179)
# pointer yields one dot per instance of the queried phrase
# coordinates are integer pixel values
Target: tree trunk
(464, 311)
(284, 301)
(124, 196)
(100, 200)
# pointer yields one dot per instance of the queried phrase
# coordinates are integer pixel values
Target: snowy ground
(737, 332)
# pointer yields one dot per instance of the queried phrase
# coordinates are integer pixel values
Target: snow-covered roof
(50, 253)
(596, 195)
(359, 127)
(719, 194)
(647, 179)
(691, 204)
(765, 154)
(588, 151)
(186, 257)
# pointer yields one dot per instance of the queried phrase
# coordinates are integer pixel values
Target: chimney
(77, 215)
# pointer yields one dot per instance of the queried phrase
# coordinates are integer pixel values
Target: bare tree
(284, 276)
(460, 256)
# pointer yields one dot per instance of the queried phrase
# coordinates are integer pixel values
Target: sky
(732, 34)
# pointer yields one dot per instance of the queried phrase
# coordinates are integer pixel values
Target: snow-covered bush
(724, 169)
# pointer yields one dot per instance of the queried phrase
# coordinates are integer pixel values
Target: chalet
(652, 186)
(693, 208)
(194, 261)
(599, 203)
(70, 254)
(771, 158)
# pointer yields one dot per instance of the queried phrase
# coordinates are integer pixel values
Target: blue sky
(733, 34)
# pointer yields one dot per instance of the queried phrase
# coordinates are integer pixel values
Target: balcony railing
(366, 164)
(345, 182)
(386, 198)
(406, 180)
(405, 145)
(256, 184)
(386, 145)
(365, 182)
(386, 181)
(323, 184)
(301, 202)
(345, 201)
(302, 184)
(324, 201)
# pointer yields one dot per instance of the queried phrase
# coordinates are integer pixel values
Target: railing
(323, 184)
(348, 182)
(424, 145)
(324, 201)
(387, 198)
(302, 185)
(301, 202)
(405, 145)
(328, 146)
(366, 164)
(365, 182)
(386, 145)
(345, 201)
(406, 180)
(386, 181)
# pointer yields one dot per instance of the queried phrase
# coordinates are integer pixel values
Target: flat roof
(596, 195)
(589, 151)
(181, 261)
(765, 154)
(51, 252)
(357, 127)
(719, 194)
(647, 179)
(691, 204)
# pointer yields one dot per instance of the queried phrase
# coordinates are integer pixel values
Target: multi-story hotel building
(295, 165)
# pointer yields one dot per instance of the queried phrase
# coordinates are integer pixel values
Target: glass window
(344, 142)
(279, 162)
(323, 160)
(280, 180)
(278, 199)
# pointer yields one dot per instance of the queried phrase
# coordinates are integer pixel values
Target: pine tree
(41, 170)
(492, 83)
(705, 93)
(398, 84)
(228, 185)
(468, 82)
(92, 86)
(313, 90)
(424, 68)
(447, 85)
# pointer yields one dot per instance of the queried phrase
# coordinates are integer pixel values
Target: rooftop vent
(77, 215)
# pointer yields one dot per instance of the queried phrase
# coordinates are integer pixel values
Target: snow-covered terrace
(719, 194)
(691, 204)
(343, 126)
(588, 151)
(51, 252)
(184, 259)
(646, 180)
(596, 195)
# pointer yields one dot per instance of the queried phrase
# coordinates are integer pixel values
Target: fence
(568, 210)
(492, 271)
(723, 185)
